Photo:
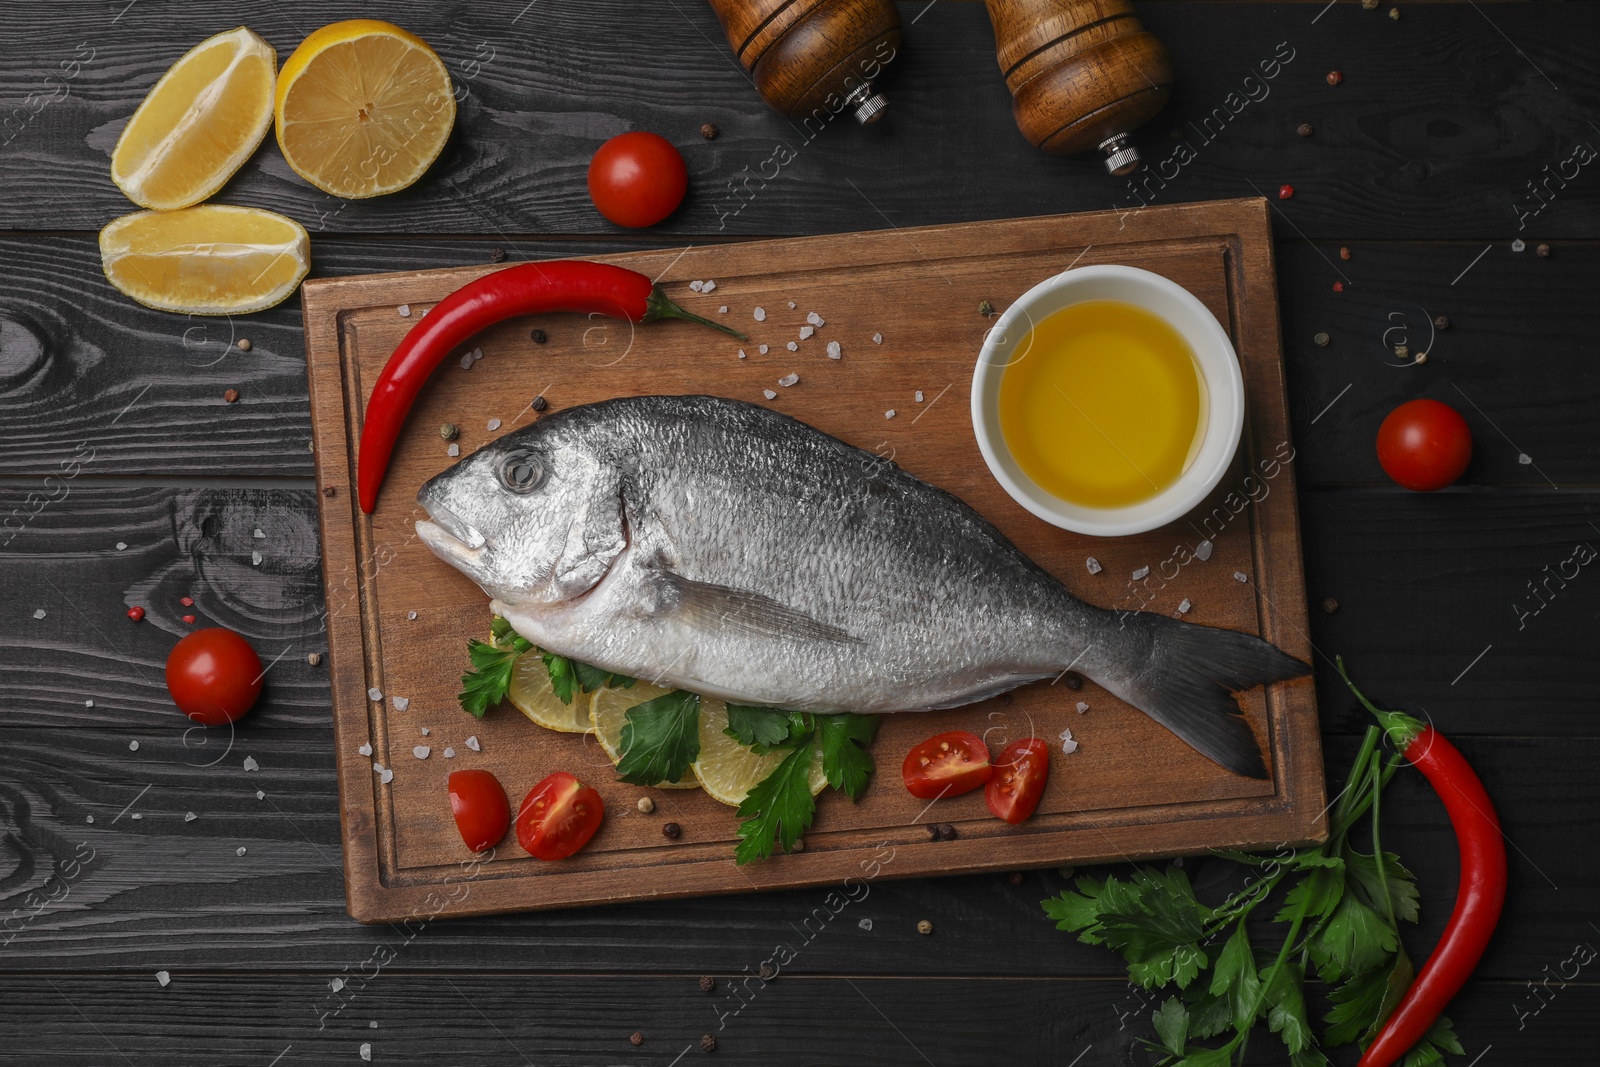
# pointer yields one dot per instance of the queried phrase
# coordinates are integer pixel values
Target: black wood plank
(1443, 119)
(517, 1019)
(158, 890)
(88, 376)
(1424, 583)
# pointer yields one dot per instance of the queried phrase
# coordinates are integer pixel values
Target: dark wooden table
(128, 479)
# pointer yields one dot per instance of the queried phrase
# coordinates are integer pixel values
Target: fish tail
(1184, 675)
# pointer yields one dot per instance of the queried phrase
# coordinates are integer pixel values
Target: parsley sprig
(1342, 908)
(493, 661)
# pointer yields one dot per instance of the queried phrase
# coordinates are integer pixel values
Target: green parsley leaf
(1075, 912)
(1234, 978)
(1355, 939)
(778, 809)
(1207, 1057)
(1429, 1052)
(757, 726)
(563, 676)
(1286, 1007)
(1209, 1015)
(1316, 894)
(660, 738)
(486, 684)
(592, 678)
(845, 759)
(1402, 884)
(1363, 1001)
(1172, 1025)
(1308, 1057)
(1156, 923)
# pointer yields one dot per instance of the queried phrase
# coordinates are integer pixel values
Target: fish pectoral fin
(711, 607)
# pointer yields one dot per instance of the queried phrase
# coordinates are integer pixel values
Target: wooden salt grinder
(811, 56)
(1083, 74)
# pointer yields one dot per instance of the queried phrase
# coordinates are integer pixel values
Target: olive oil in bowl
(1103, 404)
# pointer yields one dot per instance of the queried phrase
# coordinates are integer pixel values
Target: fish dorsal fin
(712, 607)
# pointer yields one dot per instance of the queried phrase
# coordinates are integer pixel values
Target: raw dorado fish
(717, 546)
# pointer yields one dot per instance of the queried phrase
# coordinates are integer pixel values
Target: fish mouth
(449, 535)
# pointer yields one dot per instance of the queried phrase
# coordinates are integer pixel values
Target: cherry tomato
(1019, 777)
(214, 676)
(480, 806)
(947, 765)
(558, 817)
(1424, 445)
(637, 179)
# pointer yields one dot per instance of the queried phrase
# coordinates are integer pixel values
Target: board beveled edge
(1293, 730)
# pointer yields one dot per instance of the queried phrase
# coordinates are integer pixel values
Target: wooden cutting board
(398, 619)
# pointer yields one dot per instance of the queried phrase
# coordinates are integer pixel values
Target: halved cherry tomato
(947, 765)
(1424, 445)
(214, 676)
(1018, 783)
(480, 806)
(637, 179)
(558, 817)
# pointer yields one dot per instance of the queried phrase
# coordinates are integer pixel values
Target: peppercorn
(1402, 352)
(136, 613)
(1440, 322)
(767, 972)
(671, 830)
(947, 832)
(1422, 357)
(709, 131)
(707, 1042)
(636, 1038)
(539, 337)
(933, 831)
(708, 984)
(231, 396)
(924, 926)
(799, 845)
(646, 805)
(1015, 877)
(1304, 129)
(449, 431)
(1285, 191)
(1330, 605)
(497, 255)
(540, 403)
(985, 308)
(328, 490)
(1344, 253)
(1369, 4)
(1394, 13)
(1543, 251)
(314, 658)
(1006, 699)
(1338, 287)
(244, 344)
(1334, 77)
(1321, 340)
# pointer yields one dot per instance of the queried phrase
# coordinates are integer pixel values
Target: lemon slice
(199, 124)
(206, 260)
(531, 692)
(728, 770)
(363, 108)
(608, 710)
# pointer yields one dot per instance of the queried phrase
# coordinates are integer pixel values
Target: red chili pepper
(1478, 899)
(526, 289)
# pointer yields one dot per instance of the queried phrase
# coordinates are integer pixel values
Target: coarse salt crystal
(377, 766)
(1202, 551)
(472, 743)
(788, 380)
(834, 351)
(88, 703)
(919, 396)
(133, 746)
(466, 361)
(453, 450)
(239, 851)
(386, 777)
(494, 424)
(791, 346)
(877, 338)
(889, 414)
(366, 1051)
(250, 764)
(404, 310)
(1068, 745)
(163, 977)
(366, 748)
(1082, 707)
(723, 310)
(793, 304)
(742, 355)
(411, 616)
(1141, 574)
(762, 349)
(1184, 606)
(374, 693)
(1093, 565)
(257, 534)
(189, 816)
(769, 394)
(477, 354)
(336, 985)
(88, 818)
(865, 924)
(806, 332)
(761, 314)
(1518, 245)
(255, 559)
(137, 816)
(122, 546)
(696, 286)
(426, 731)
(1240, 576)
(708, 287)
(421, 751)
(814, 319)
(1524, 459)
(260, 795)
(401, 703)
(449, 753)
(38, 613)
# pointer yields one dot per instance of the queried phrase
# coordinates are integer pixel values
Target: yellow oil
(1103, 404)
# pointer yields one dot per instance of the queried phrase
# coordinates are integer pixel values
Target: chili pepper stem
(661, 306)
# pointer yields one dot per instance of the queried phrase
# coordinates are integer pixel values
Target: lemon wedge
(199, 124)
(608, 711)
(206, 260)
(727, 770)
(532, 694)
(363, 108)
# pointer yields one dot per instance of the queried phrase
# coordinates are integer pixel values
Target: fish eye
(521, 472)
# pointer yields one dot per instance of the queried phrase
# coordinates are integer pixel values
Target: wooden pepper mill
(1083, 74)
(813, 58)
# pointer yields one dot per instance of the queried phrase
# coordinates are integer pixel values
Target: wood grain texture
(1435, 132)
(400, 852)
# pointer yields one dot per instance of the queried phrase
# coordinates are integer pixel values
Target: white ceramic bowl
(1219, 366)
